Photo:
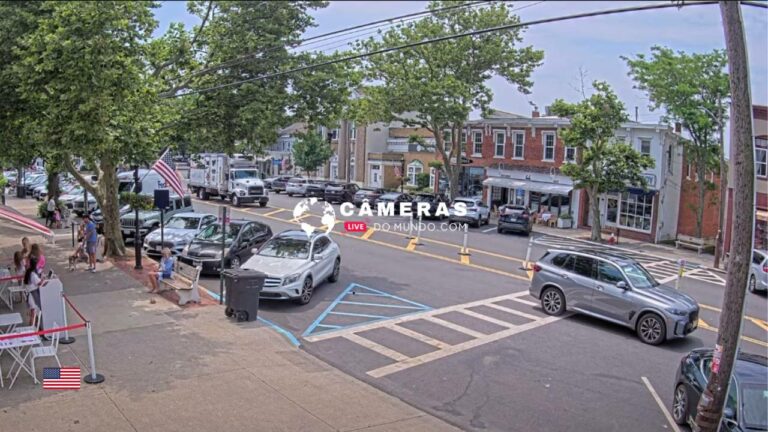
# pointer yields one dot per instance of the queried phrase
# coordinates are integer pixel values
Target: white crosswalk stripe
(665, 270)
(439, 319)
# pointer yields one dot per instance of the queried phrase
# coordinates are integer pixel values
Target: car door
(577, 278)
(482, 209)
(261, 233)
(322, 258)
(609, 300)
(240, 246)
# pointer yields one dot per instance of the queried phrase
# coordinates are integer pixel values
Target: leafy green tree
(604, 164)
(83, 71)
(693, 90)
(441, 83)
(310, 151)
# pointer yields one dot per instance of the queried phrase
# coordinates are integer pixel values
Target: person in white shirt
(51, 209)
(32, 281)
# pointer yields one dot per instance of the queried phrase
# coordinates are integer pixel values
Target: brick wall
(689, 202)
(533, 152)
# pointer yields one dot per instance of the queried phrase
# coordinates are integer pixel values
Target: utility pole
(712, 402)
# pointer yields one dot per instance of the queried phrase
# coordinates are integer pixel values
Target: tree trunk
(110, 208)
(53, 185)
(594, 203)
(712, 401)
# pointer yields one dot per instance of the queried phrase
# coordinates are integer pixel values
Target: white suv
(295, 264)
(297, 186)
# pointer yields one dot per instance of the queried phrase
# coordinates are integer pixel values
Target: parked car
(758, 271)
(149, 220)
(295, 264)
(395, 197)
(614, 288)
(747, 394)
(515, 218)
(433, 200)
(297, 186)
(341, 192)
(178, 231)
(240, 240)
(369, 195)
(477, 214)
(317, 189)
(268, 182)
(278, 184)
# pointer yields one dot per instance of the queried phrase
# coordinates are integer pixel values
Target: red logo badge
(355, 226)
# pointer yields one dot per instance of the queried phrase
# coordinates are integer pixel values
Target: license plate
(128, 232)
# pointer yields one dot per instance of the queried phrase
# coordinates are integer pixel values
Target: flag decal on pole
(170, 176)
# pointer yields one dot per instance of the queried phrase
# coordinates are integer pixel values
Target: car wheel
(235, 201)
(336, 270)
(651, 329)
(553, 301)
(680, 405)
(478, 222)
(262, 204)
(290, 194)
(242, 316)
(235, 262)
(752, 284)
(499, 230)
(488, 219)
(306, 291)
(228, 312)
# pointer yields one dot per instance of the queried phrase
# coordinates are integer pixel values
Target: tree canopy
(310, 151)
(603, 164)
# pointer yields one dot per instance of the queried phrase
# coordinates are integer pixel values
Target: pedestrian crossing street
(439, 333)
(664, 270)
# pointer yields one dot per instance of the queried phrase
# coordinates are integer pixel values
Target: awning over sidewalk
(550, 188)
(761, 215)
(8, 213)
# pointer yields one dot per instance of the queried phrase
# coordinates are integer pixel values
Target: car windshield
(389, 197)
(244, 174)
(468, 203)
(753, 412)
(181, 222)
(365, 192)
(424, 198)
(283, 247)
(212, 233)
(638, 276)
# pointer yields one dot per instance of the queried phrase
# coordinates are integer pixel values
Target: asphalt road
(459, 337)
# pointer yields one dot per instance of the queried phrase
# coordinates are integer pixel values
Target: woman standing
(36, 252)
(165, 271)
(32, 283)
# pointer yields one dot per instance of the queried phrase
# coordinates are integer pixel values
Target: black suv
(433, 200)
(515, 218)
(341, 193)
(370, 195)
(317, 189)
(278, 184)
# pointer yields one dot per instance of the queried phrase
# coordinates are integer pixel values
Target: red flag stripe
(170, 176)
(29, 223)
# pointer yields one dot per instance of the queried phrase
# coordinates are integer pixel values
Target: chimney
(535, 114)
(678, 127)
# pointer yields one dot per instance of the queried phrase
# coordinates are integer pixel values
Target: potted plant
(564, 220)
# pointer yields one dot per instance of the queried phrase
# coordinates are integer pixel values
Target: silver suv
(614, 288)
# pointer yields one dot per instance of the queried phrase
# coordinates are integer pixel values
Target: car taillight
(524, 216)
(536, 268)
(765, 268)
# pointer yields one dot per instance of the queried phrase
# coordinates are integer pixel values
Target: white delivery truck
(230, 177)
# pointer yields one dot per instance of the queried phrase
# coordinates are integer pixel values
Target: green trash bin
(242, 288)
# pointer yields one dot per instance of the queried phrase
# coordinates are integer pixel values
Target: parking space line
(703, 325)
(373, 346)
(380, 305)
(487, 318)
(358, 315)
(525, 302)
(479, 341)
(512, 311)
(489, 229)
(420, 337)
(368, 234)
(667, 279)
(663, 408)
(757, 321)
(274, 212)
(455, 327)
(329, 326)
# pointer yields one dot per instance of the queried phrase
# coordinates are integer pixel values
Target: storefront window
(414, 168)
(612, 212)
(636, 211)
(534, 201)
(518, 197)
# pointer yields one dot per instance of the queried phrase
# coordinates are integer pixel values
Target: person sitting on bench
(165, 270)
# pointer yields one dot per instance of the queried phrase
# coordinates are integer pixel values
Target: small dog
(75, 257)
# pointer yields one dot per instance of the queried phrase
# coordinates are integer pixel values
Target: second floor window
(549, 146)
(499, 139)
(761, 162)
(645, 146)
(477, 143)
(570, 154)
(519, 141)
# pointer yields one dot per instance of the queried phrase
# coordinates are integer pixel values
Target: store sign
(650, 179)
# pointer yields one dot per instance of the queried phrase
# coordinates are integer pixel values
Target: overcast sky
(593, 44)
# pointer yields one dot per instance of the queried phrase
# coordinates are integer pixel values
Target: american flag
(170, 176)
(66, 378)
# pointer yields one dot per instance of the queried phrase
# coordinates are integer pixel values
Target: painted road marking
(525, 302)
(465, 258)
(703, 325)
(489, 229)
(274, 212)
(663, 408)
(373, 346)
(420, 337)
(513, 311)
(757, 321)
(480, 316)
(454, 327)
(411, 245)
(368, 234)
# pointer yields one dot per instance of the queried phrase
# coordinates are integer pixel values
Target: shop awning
(550, 188)
(12, 215)
(761, 215)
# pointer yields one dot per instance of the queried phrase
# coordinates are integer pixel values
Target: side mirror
(729, 414)
(254, 251)
(623, 285)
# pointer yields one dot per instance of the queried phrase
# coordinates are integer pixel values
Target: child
(57, 218)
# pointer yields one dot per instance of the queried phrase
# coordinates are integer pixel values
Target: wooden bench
(184, 280)
(692, 243)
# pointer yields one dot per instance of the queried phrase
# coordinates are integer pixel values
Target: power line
(460, 35)
(324, 36)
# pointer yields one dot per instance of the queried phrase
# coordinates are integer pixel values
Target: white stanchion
(418, 232)
(66, 339)
(410, 227)
(527, 262)
(93, 377)
(464, 249)
(680, 272)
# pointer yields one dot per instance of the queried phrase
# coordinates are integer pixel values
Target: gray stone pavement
(171, 368)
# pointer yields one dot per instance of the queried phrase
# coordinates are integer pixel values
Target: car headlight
(291, 279)
(678, 312)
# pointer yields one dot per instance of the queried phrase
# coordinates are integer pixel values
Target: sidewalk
(660, 250)
(171, 368)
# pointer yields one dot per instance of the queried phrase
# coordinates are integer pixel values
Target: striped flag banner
(170, 176)
(13, 216)
(64, 378)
